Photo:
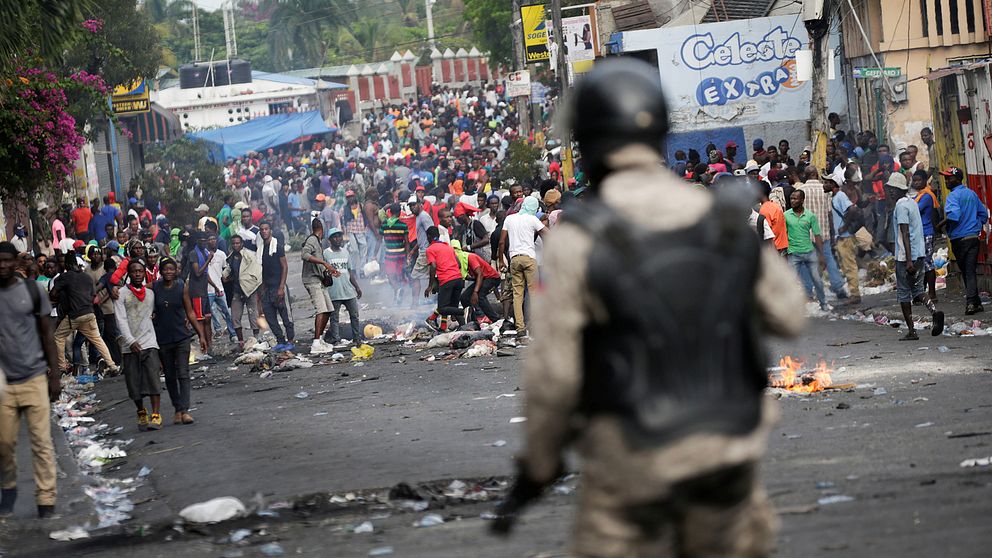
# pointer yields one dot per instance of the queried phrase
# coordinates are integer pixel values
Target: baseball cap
(420, 188)
(752, 165)
(202, 207)
(320, 197)
(758, 143)
(732, 143)
(333, 231)
(897, 180)
(953, 171)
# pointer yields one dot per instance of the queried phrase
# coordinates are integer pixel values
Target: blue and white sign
(729, 74)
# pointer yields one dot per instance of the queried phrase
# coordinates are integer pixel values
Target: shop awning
(261, 133)
(158, 124)
(955, 69)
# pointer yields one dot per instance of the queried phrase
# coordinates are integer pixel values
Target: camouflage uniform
(663, 501)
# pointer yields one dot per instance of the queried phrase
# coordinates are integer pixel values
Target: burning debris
(790, 376)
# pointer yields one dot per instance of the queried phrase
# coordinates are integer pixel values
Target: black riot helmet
(619, 103)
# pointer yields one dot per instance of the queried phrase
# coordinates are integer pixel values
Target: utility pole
(562, 63)
(429, 7)
(520, 63)
(562, 71)
(817, 19)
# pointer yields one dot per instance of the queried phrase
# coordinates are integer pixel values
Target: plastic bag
(362, 352)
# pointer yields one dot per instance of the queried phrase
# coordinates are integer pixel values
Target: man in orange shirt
(775, 216)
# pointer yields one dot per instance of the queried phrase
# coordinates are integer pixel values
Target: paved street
(893, 444)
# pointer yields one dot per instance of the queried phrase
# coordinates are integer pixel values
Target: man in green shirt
(224, 219)
(804, 236)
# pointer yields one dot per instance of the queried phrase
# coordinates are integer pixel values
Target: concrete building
(915, 37)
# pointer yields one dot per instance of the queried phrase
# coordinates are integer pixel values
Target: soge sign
(702, 51)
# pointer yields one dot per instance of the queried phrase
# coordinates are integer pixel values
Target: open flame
(791, 376)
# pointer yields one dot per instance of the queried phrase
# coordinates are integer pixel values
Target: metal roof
(727, 10)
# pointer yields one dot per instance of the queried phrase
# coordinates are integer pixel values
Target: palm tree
(370, 33)
(408, 8)
(297, 29)
(43, 27)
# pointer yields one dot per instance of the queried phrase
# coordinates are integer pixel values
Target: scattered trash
(823, 485)
(240, 535)
(842, 406)
(213, 511)
(943, 349)
(482, 347)
(365, 527)
(266, 374)
(320, 414)
(836, 499)
(272, 549)
(302, 395)
(924, 424)
(144, 472)
(70, 534)
(977, 462)
(381, 551)
(498, 443)
(879, 391)
(515, 420)
(337, 357)
(429, 520)
(87, 379)
(362, 352)
(253, 357)
(372, 331)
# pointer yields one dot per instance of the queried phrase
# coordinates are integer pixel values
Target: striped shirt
(394, 239)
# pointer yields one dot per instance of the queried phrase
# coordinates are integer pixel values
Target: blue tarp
(261, 133)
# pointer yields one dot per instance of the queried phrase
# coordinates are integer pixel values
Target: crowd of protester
(870, 201)
(416, 200)
(419, 200)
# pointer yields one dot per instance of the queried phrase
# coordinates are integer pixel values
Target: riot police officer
(646, 352)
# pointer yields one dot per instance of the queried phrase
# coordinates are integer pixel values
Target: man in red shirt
(476, 296)
(445, 279)
(81, 219)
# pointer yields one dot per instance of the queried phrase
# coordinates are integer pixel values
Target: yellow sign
(131, 98)
(535, 28)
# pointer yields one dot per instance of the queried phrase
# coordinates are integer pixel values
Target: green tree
(126, 47)
(521, 158)
(490, 21)
(299, 30)
(182, 177)
(40, 28)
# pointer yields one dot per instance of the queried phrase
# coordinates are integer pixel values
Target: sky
(209, 4)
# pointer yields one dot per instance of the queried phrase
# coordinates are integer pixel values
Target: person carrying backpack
(31, 371)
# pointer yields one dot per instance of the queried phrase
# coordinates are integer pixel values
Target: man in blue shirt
(926, 200)
(909, 249)
(964, 217)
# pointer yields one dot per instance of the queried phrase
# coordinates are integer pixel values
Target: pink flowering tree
(40, 130)
(54, 99)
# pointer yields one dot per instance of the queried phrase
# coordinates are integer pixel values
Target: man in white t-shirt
(519, 236)
(215, 289)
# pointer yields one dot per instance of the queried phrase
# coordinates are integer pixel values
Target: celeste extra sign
(703, 51)
(738, 71)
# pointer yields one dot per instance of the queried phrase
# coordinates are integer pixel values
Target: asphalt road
(399, 419)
